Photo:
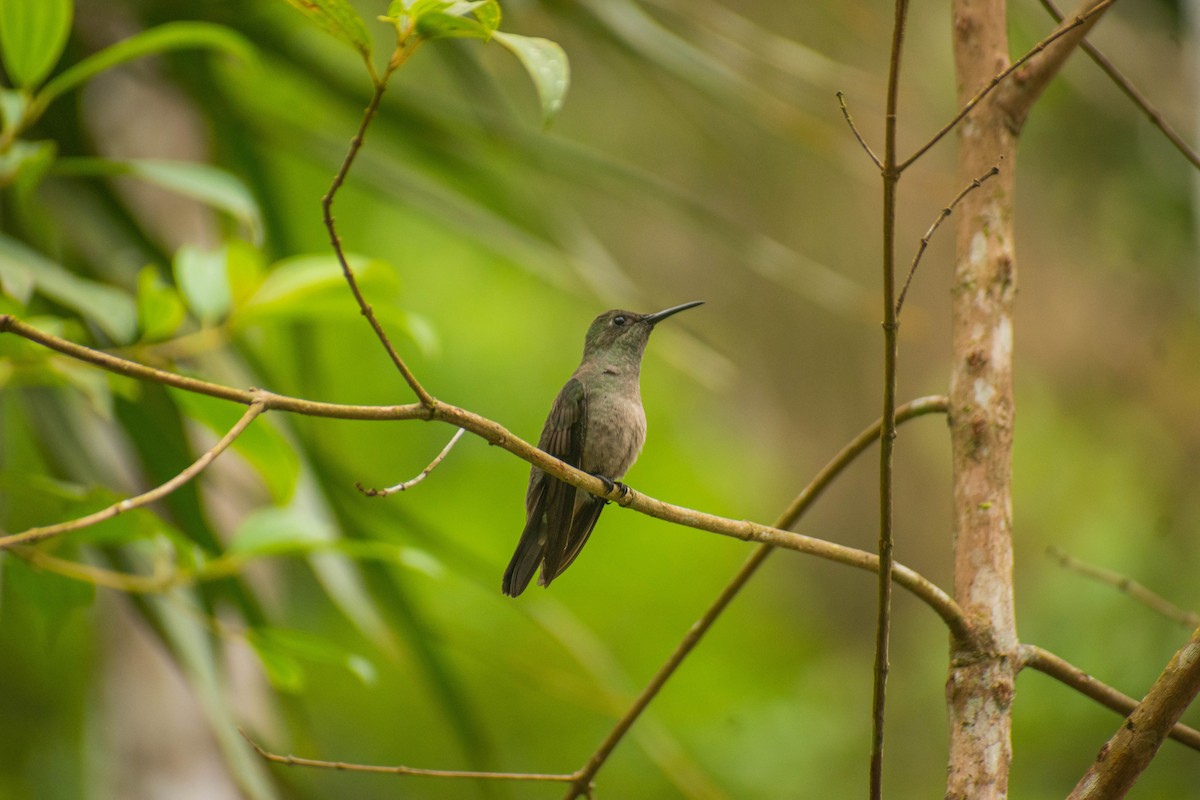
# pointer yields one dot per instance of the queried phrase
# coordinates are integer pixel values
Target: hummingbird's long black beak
(658, 317)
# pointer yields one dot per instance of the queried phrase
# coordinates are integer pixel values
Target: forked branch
(942, 216)
(1077, 27)
(1125, 85)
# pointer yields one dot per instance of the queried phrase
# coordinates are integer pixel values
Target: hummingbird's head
(625, 333)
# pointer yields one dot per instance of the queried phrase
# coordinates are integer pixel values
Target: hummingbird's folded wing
(563, 438)
(550, 503)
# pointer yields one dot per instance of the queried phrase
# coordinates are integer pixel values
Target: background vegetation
(701, 155)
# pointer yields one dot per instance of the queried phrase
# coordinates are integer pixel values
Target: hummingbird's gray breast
(616, 426)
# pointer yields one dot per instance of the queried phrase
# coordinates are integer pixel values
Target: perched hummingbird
(596, 424)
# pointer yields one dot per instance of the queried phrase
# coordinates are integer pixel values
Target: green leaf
(546, 64)
(32, 36)
(47, 602)
(160, 308)
(244, 266)
(13, 104)
(205, 183)
(172, 36)
(439, 25)
(110, 308)
(283, 671)
(488, 14)
(338, 18)
(24, 166)
(283, 649)
(201, 277)
(310, 288)
(210, 185)
(273, 531)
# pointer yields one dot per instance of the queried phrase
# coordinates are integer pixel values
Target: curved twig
(195, 468)
(841, 97)
(942, 216)
(1063, 671)
(296, 761)
(422, 475)
(335, 241)
(1124, 583)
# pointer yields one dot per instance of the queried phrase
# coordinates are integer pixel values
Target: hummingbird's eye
(619, 321)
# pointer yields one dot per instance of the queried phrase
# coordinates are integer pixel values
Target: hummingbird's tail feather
(524, 562)
(582, 525)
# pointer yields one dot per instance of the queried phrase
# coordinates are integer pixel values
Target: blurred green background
(700, 155)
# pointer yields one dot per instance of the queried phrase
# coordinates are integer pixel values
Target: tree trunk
(979, 690)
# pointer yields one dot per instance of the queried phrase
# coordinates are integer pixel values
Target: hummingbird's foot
(610, 485)
(624, 490)
(607, 481)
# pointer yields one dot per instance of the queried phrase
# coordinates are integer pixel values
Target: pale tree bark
(980, 686)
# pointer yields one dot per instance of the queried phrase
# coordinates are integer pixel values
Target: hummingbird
(596, 424)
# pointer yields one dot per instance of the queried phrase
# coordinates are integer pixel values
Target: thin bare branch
(335, 241)
(1130, 750)
(296, 761)
(942, 216)
(916, 408)
(854, 129)
(270, 401)
(887, 424)
(411, 482)
(195, 468)
(1124, 583)
(1125, 85)
(160, 581)
(1047, 663)
(1077, 22)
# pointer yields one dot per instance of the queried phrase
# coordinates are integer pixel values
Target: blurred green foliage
(163, 164)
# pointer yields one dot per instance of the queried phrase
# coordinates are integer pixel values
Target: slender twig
(1063, 30)
(841, 97)
(335, 241)
(887, 428)
(411, 482)
(1125, 85)
(45, 532)
(496, 434)
(1123, 583)
(296, 761)
(1047, 663)
(160, 581)
(790, 516)
(942, 216)
(1129, 751)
